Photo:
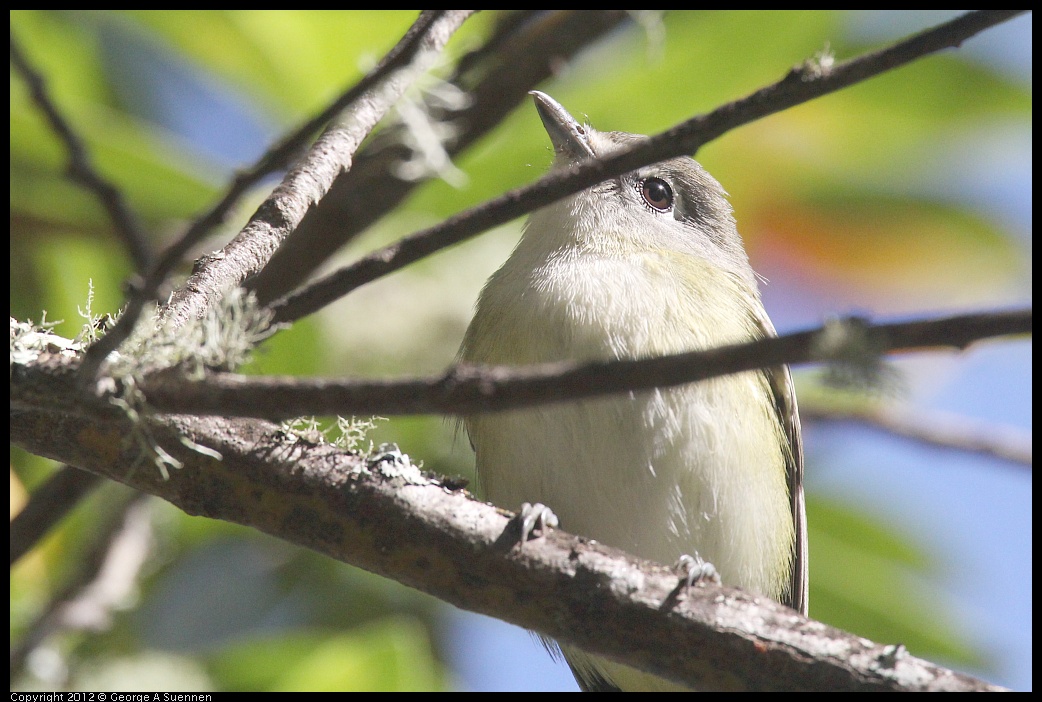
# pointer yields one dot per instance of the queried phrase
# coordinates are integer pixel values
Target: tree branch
(391, 520)
(385, 516)
(495, 77)
(466, 390)
(800, 85)
(304, 185)
(943, 430)
(80, 168)
(48, 505)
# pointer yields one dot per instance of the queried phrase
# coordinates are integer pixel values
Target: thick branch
(388, 518)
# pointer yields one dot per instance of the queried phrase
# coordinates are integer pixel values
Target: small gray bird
(645, 264)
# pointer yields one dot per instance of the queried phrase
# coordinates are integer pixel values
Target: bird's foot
(536, 517)
(695, 570)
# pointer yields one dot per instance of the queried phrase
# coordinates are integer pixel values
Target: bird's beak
(570, 139)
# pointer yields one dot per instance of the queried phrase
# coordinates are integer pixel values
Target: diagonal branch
(800, 85)
(80, 168)
(527, 48)
(304, 185)
(48, 505)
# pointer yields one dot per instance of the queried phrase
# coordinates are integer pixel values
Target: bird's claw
(696, 570)
(536, 516)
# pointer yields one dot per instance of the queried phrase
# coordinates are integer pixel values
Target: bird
(644, 264)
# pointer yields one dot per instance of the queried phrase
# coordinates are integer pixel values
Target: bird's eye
(656, 193)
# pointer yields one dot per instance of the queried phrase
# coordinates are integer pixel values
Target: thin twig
(472, 389)
(940, 429)
(798, 86)
(80, 169)
(305, 184)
